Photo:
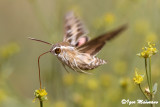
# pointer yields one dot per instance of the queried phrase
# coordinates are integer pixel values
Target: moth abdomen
(97, 62)
(93, 64)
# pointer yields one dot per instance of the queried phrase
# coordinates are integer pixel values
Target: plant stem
(41, 103)
(143, 92)
(150, 81)
(150, 74)
(147, 73)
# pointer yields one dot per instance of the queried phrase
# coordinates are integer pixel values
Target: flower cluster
(41, 94)
(148, 51)
(9, 50)
(138, 78)
(109, 18)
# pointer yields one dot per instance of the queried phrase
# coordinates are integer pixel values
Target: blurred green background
(44, 19)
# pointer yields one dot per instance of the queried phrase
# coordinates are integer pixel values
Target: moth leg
(65, 68)
(72, 67)
(84, 71)
(80, 69)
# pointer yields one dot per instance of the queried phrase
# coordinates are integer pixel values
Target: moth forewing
(95, 45)
(74, 29)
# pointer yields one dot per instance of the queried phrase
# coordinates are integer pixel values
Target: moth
(77, 51)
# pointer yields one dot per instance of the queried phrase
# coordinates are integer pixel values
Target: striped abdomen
(93, 64)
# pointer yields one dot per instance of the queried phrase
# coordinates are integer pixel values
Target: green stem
(147, 73)
(150, 81)
(41, 103)
(143, 92)
(150, 75)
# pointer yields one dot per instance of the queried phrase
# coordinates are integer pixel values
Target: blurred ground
(43, 19)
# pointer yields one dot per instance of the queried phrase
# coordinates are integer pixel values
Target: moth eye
(57, 50)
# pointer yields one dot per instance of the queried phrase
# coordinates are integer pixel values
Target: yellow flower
(109, 18)
(148, 51)
(41, 94)
(151, 48)
(68, 79)
(3, 95)
(60, 104)
(9, 50)
(92, 84)
(89, 103)
(145, 54)
(138, 78)
(77, 98)
(106, 80)
(124, 82)
(104, 21)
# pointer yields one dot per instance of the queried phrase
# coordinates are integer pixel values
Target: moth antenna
(39, 40)
(39, 68)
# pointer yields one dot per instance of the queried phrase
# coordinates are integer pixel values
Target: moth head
(56, 50)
